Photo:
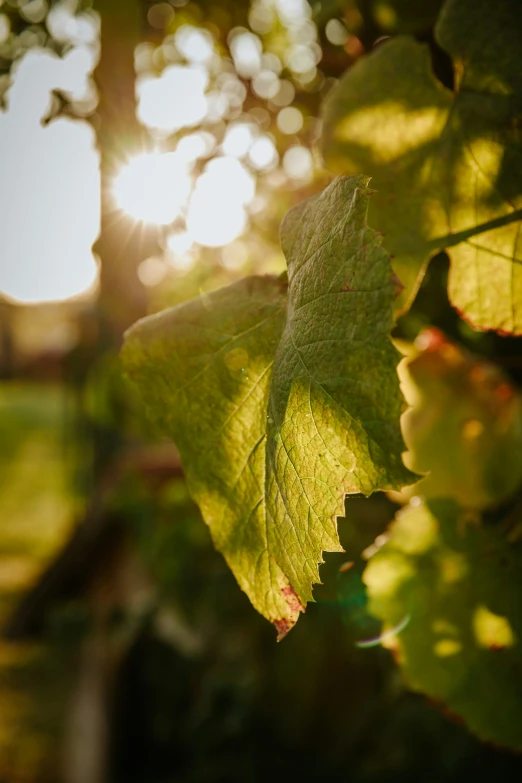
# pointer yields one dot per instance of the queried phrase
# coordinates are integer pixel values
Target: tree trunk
(123, 243)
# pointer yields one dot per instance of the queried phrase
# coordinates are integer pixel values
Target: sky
(50, 182)
(49, 187)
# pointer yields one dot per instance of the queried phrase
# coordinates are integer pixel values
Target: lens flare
(153, 187)
(375, 641)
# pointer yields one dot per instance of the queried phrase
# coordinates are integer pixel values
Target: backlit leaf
(464, 428)
(447, 165)
(282, 401)
(453, 589)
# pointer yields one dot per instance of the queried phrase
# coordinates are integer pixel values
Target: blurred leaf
(447, 166)
(36, 504)
(465, 426)
(458, 586)
(405, 16)
(36, 510)
(269, 460)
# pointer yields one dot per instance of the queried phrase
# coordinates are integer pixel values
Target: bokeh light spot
(153, 187)
(174, 100)
(336, 32)
(290, 120)
(152, 271)
(238, 140)
(5, 28)
(194, 44)
(298, 163)
(263, 154)
(246, 49)
(216, 213)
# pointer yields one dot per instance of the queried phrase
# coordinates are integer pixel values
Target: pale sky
(49, 176)
(49, 186)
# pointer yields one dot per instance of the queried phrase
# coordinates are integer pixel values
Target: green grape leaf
(282, 401)
(464, 426)
(453, 590)
(447, 165)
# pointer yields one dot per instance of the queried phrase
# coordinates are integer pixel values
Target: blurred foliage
(457, 587)
(405, 16)
(36, 511)
(446, 163)
(36, 503)
(464, 429)
(203, 692)
(35, 681)
(388, 17)
(206, 695)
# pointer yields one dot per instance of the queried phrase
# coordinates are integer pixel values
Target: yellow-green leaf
(279, 409)
(464, 427)
(447, 165)
(453, 590)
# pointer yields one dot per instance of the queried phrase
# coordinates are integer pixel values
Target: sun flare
(159, 188)
(153, 187)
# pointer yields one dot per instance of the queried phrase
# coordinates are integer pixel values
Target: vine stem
(452, 239)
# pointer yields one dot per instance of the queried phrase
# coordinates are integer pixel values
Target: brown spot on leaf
(292, 599)
(294, 605)
(346, 287)
(399, 287)
(501, 332)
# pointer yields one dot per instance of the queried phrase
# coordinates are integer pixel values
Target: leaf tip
(283, 626)
(295, 606)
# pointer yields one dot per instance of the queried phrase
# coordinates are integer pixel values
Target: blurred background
(148, 152)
